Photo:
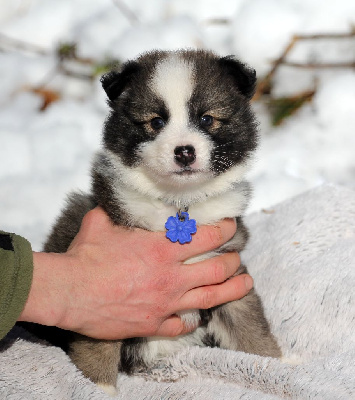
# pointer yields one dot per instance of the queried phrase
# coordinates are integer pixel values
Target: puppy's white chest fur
(152, 214)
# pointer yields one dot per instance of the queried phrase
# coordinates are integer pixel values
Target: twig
(77, 75)
(317, 36)
(318, 65)
(217, 21)
(59, 68)
(50, 75)
(265, 84)
(126, 11)
(21, 45)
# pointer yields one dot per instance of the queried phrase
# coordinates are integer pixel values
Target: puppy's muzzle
(185, 155)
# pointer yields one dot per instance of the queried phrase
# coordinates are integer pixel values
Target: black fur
(131, 357)
(222, 86)
(244, 77)
(215, 89)
(114, 83)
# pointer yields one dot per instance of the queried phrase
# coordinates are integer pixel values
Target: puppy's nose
(185, 155)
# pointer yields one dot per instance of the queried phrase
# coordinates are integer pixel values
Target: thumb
(173, 326)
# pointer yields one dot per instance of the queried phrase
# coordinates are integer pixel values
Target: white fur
(173, 82)
(157, 347)
(154, 190)
(293, 359)
(137, 184)
(190, 318)
(158, 155)
(108, 389)
(152, 212)
(156, 183)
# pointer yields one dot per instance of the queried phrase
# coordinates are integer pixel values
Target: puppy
(179, 137)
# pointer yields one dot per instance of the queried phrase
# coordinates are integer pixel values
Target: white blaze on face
(173, 82)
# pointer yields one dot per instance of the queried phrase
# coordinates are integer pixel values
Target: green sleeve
(16, 271)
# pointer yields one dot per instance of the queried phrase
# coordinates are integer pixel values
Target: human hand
(115, 282)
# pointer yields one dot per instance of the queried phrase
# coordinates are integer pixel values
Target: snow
(44, 155)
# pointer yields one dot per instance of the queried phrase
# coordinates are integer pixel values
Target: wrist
(48, 298)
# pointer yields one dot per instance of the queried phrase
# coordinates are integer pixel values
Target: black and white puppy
(179, 136)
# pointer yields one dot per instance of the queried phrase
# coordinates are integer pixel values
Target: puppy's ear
(114, 83)
(244, 76)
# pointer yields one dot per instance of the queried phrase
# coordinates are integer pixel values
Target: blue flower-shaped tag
(180, 228)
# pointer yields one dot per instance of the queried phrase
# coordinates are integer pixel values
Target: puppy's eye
(206, 121)
(157, 123)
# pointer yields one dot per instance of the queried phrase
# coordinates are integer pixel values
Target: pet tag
(180, 228)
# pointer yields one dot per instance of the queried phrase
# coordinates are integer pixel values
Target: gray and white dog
(179, 136)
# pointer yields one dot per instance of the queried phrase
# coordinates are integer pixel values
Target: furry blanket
(302, 257)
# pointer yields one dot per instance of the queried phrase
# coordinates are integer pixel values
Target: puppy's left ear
(244, 76)
(114, 83)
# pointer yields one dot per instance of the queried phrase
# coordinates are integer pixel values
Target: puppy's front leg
(99, 361)
(241, 325)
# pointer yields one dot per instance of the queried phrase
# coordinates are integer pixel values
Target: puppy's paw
(292, 359)
(190, 318)
(108, 389)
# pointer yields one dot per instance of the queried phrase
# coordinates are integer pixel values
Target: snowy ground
(43, 155)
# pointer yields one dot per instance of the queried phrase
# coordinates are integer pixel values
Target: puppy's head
(180, 119)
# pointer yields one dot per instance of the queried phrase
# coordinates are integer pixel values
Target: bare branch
(317, 36)
(265, 84)
(77, 75)
(217, 21)
(318, 65)
(8, 42)
(126, 11)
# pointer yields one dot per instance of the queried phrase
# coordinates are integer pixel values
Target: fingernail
(248, 282)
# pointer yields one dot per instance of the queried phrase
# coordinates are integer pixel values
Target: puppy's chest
(152, 214)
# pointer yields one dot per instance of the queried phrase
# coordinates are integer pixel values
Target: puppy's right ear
(244, 76)
(114, 83)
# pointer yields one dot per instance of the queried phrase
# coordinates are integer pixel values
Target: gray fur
(223, 86)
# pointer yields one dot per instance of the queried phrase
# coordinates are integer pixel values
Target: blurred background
(52, 106)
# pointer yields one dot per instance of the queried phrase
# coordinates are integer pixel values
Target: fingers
(208, 238)
(204, 298)
(210, 296)
(211, 271)
(160, 251)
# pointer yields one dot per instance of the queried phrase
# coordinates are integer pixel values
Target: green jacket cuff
(16, 271)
